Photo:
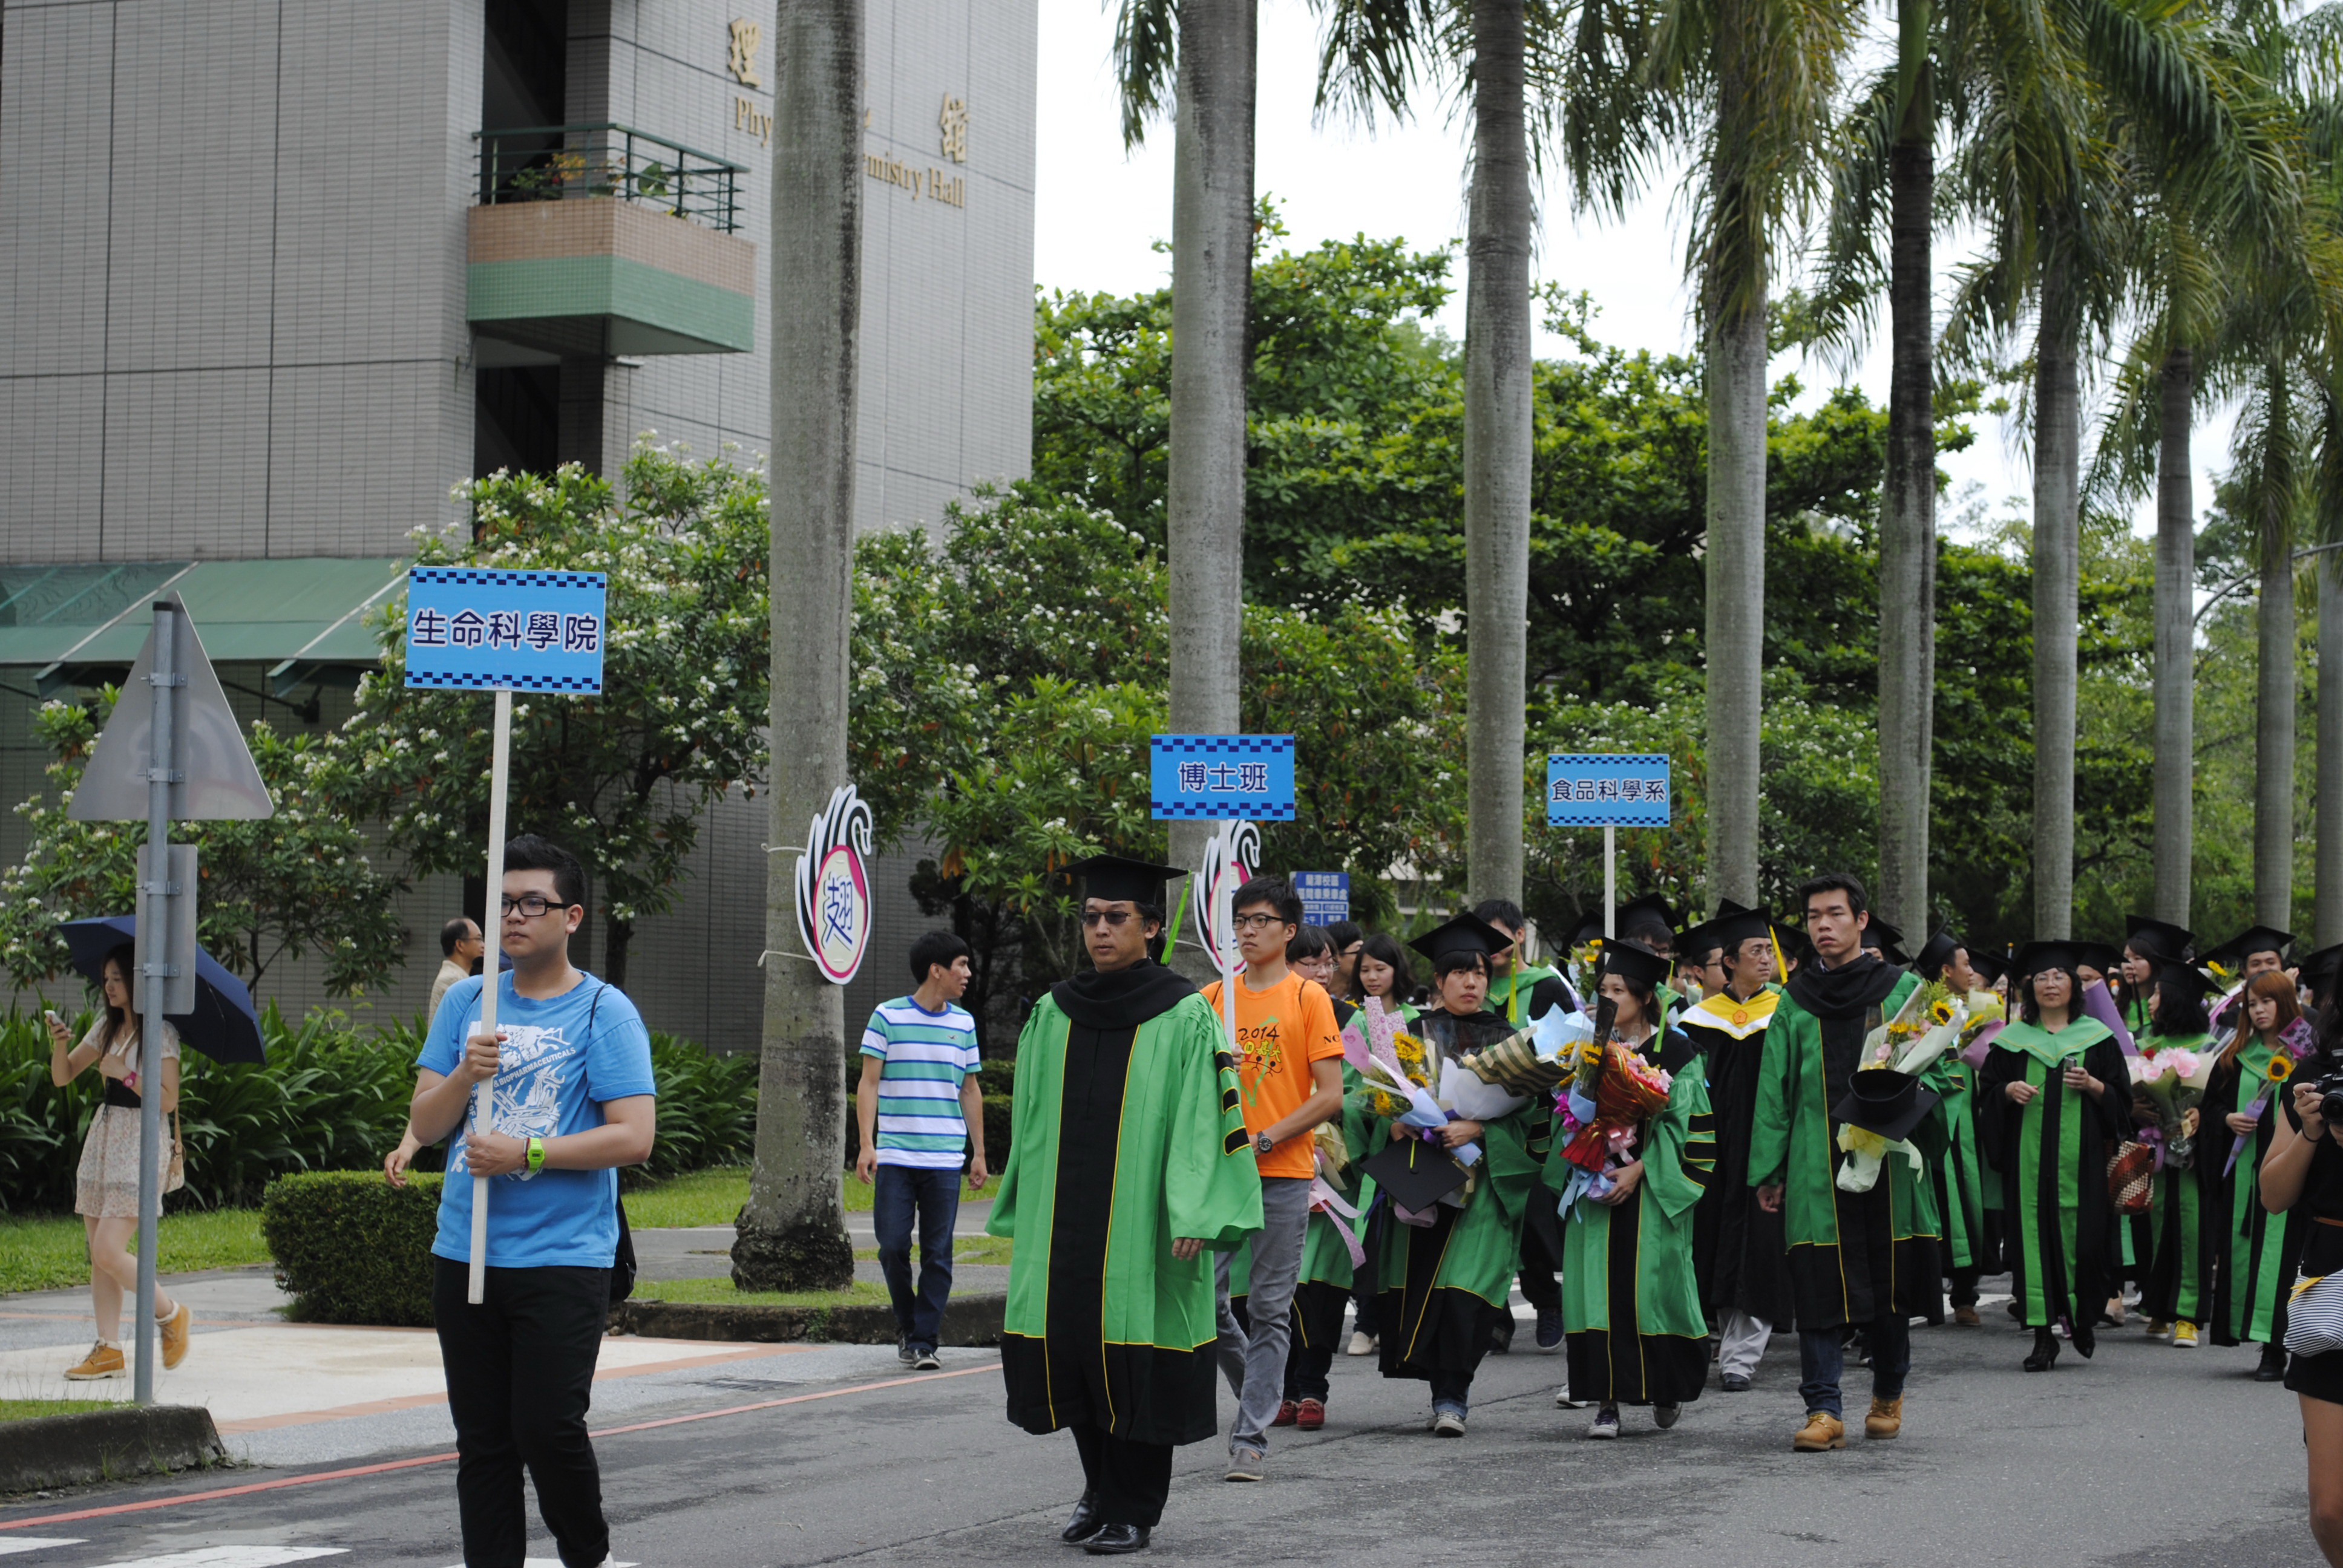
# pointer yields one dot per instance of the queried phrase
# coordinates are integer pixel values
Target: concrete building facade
(276, 276)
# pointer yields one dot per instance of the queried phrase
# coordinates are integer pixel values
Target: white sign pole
(493, 919)
(1609, 881)
(1224, 921)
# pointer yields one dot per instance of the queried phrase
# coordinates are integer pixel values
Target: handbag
(176, 1175)
(2314, 1316)
(2129, 1169)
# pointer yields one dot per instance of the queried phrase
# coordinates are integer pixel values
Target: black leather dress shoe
(2273, 1365)
(1114, 1540)
(1735, 1383)
(1085, 1524)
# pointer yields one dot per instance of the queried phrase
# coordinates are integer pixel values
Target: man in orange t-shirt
(1290, 1077)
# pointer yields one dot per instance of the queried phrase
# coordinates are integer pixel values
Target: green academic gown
(1955, 1175)
(1126, 1136)
(1854, 1256)
(2063, 1253)
(2261, 1252)
(1440, 1287)
(1631, 1305)
(2136, 1234)
(1323, 1289)
(2183, 1260)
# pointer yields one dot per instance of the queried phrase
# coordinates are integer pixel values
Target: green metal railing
(574, 163)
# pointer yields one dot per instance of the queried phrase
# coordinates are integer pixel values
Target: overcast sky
(1099, 212)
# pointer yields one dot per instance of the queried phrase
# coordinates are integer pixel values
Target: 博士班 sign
(1248, 778)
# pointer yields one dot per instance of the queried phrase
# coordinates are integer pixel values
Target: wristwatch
(537, 1154)
(1264, 1143)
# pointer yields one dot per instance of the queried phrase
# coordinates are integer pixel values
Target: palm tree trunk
(1211, 293)
(2274, 683)
(2057, 590)
(2327, 923)
(2175, 640)
(790, 1235)
(1497, 454)
(1908, 516)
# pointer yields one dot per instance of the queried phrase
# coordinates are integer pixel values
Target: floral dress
(105, 1187)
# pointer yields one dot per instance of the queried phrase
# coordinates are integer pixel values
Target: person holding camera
(2304, 1172)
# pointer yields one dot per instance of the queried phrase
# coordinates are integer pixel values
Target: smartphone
(51, 1014)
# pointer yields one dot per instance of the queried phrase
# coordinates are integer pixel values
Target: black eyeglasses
(534, 904)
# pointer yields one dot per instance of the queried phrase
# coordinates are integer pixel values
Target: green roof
(295, 615)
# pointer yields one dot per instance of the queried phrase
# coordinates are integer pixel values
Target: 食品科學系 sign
(1607, 790)
(1248, 778)
(478, 628)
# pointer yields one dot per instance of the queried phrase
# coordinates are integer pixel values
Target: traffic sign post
(180, 756)
(1239, 780)
(478, 628)
(1610, 791)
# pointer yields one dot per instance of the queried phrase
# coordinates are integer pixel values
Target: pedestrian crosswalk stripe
(233, 1557)
(10, 1544)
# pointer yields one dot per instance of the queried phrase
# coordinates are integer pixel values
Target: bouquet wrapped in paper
(1402, 1084)
(2173, 1080)
(2296, 1044)
(1986, 1018)
(1922, 1029)
(1609, 1099)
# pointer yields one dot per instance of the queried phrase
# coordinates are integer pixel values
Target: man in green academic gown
(1868, 1259)
(1127, 1158)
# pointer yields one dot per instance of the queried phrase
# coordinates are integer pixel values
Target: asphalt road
(2147, 1456)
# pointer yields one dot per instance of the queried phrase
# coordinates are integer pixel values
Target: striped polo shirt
(926, 1055)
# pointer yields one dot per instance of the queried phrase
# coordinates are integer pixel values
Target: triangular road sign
(215, 779)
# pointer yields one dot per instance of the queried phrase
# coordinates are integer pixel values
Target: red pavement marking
(354, 1471)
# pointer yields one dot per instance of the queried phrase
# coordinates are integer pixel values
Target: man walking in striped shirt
(919, 1106)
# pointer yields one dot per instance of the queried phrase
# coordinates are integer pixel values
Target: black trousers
(520, 1376)
(1306, 1370)
(1129, 1480)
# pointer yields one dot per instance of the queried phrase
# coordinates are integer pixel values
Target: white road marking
(12, 1544)
(234, 1557)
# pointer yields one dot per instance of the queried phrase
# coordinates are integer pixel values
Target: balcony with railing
(603, 240)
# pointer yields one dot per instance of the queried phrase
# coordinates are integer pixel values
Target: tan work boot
(1823, 1431)
(174, 1334)
(1885, 1420)
(104, 1361)
(1966, 1317)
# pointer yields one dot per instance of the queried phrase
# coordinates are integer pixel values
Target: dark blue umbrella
(224, 1025)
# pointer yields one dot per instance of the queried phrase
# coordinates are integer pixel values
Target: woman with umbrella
(106, 1191)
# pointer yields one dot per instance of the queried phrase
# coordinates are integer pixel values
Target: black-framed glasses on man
(534, 904)
(1257, 922)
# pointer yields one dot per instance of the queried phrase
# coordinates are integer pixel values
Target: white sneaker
(1363, 1344)
(1447, 1423)
(1562, 1400)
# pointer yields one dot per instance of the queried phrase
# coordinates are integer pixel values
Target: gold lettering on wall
(953, 124)
(757, 122)
(915, 181)
(740, 59)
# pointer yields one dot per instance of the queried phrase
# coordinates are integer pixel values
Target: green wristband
(537, 1154)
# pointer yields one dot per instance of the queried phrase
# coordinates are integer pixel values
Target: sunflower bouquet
(2296, 1044)
(1923, 1029)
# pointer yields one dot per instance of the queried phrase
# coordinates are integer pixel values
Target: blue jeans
(1824, 1360)
(897, 1193)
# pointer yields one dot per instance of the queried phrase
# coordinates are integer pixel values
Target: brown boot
(1885, 1420)
(1967, 1318)
(1823, 1431)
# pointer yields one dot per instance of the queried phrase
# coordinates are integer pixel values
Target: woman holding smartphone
(105, 1188)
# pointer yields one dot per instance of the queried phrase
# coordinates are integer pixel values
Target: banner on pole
(1626, 789)
(1246, 777)
(478, 628)
(834, 888)
(1325, 896)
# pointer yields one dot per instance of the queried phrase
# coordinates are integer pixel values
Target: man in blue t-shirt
(920, 1109)
(571, 1099)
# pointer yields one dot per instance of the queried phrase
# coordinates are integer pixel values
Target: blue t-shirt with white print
(554, 1074)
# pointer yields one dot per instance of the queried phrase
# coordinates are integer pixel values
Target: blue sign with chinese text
(1618, 791)
(1247, 777)
(478, 628)
(1325, 896)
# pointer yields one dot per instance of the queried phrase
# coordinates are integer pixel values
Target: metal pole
(156, 914)
(1609, 881)
(493, 919)
(1224, 912)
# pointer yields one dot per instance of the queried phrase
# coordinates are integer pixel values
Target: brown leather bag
(2130, 1169)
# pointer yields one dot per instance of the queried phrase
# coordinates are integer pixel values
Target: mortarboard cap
(1117, 879)
(2159, 941)
(1886, 941)
(2319, 970)
(2246, 943)
(2180, 982)
(1649, 913)
(1883, 1100)
(1416, 1174)
(1937, 952)
(2035, 957)
(1989, 965)
(1694, 942)
(1737, 923)
(1461, 933)
(2103, 959)
(1637, 963)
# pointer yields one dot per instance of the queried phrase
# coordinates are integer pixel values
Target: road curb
(970, 1321)
(52, 1450)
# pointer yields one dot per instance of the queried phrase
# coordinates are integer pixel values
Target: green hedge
(351, 1248)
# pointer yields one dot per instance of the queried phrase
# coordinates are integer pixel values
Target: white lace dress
(106, 1185)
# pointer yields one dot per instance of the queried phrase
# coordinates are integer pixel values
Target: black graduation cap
(2035, 957)
(2246, 943)
(1115, 878)
(1635, 962)
(2159, 941)
(1795, 948)
(1989, 965)
(1415, 1174)
(1649, 912)
(1883, 1100)
(1886, 939)
(1694, 942)
(1737, 923)
(2104, 958)
(1464, 933)
(2180, 982)
(2319, 970)
(1937, 952)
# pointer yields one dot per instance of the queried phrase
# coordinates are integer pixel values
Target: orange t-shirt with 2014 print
(1280, 1032)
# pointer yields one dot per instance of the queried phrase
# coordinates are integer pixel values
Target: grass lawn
(49, 1252)
(713, 1197)
(722, 1292)
(967, 1247)
(27, 1408)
